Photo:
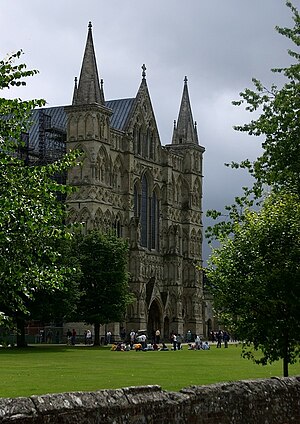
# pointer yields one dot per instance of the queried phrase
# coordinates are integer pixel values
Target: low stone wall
(270, 401)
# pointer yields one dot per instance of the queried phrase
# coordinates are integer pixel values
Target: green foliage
(104, 279)
(31, 217)
(255, 272)
(255, 278)
(59, 304)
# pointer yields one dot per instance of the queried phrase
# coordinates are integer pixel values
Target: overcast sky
(218, 44)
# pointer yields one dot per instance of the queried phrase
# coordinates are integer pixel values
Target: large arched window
(144, 212)
(154, 222)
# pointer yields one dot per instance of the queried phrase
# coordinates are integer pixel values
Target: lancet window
(146, 208)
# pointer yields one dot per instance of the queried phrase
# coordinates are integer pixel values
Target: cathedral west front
(148, 193)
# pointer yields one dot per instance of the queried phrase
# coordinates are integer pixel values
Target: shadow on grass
(46, 349)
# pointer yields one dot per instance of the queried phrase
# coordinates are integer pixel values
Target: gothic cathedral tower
(148, 193)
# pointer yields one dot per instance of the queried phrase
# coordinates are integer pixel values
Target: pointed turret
(89, 89)
(185, 131)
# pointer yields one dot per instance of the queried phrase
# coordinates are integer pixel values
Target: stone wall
(270, 401)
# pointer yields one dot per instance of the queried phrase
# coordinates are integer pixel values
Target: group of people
(123, 347)
(199, 345)
(71, 337)
(219, 337)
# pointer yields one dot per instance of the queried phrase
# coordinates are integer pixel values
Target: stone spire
(185, 131)
(89, 89)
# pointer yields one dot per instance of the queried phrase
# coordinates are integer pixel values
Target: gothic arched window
(154, 222)
(144, 212)
(118, 227)
(139, 141)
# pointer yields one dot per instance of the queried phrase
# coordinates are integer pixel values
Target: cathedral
(148, 193)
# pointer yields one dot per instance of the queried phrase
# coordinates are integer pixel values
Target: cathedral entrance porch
(154, 320)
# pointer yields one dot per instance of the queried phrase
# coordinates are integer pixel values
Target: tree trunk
(285, 367)
(97, 336)
(286, 353)
(21, 342)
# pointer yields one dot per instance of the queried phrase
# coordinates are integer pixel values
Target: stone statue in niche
(135, 232)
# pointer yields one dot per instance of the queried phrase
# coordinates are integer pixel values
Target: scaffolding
(51, 139)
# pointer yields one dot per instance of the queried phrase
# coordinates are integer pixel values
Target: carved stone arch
(82, 170)
(107, 221)
(172, 272)
(174, 189)
(157, 190)
(151, 141)
(196, 163)
(186, 275)
(99, 219)
(193, 242)
(174, 236)
(178, 191)
(102, 166)
(86, 219)
(72, 216)
(117, 173)
(197, 192)
(139, 140)
(72, 127)
(184, 191)
(81, 126)
(105, 129)
(199, 239)
(117, 221)
(185, 242)
(89, 125)
(178, 239)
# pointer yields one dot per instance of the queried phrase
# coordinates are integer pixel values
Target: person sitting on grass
(205, 346)
(164, 347)
(137, 347)
(191, 346)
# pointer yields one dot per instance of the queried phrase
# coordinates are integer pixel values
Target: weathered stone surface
(269, 401)
(12, 410)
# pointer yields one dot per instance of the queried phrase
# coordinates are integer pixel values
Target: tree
(104, 279)
(255, 270)
(59, 304)
(255, 279)
(31, 217)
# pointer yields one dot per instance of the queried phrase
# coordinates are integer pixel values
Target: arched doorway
(154, 320)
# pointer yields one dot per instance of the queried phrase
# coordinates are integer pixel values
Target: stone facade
(148, 193)
(270, 401)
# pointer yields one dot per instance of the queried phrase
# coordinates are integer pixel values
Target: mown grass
(53, 369)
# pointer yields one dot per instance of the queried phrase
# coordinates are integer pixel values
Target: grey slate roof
(121, 109)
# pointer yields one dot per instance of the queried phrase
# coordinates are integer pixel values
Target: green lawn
(53, 369)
